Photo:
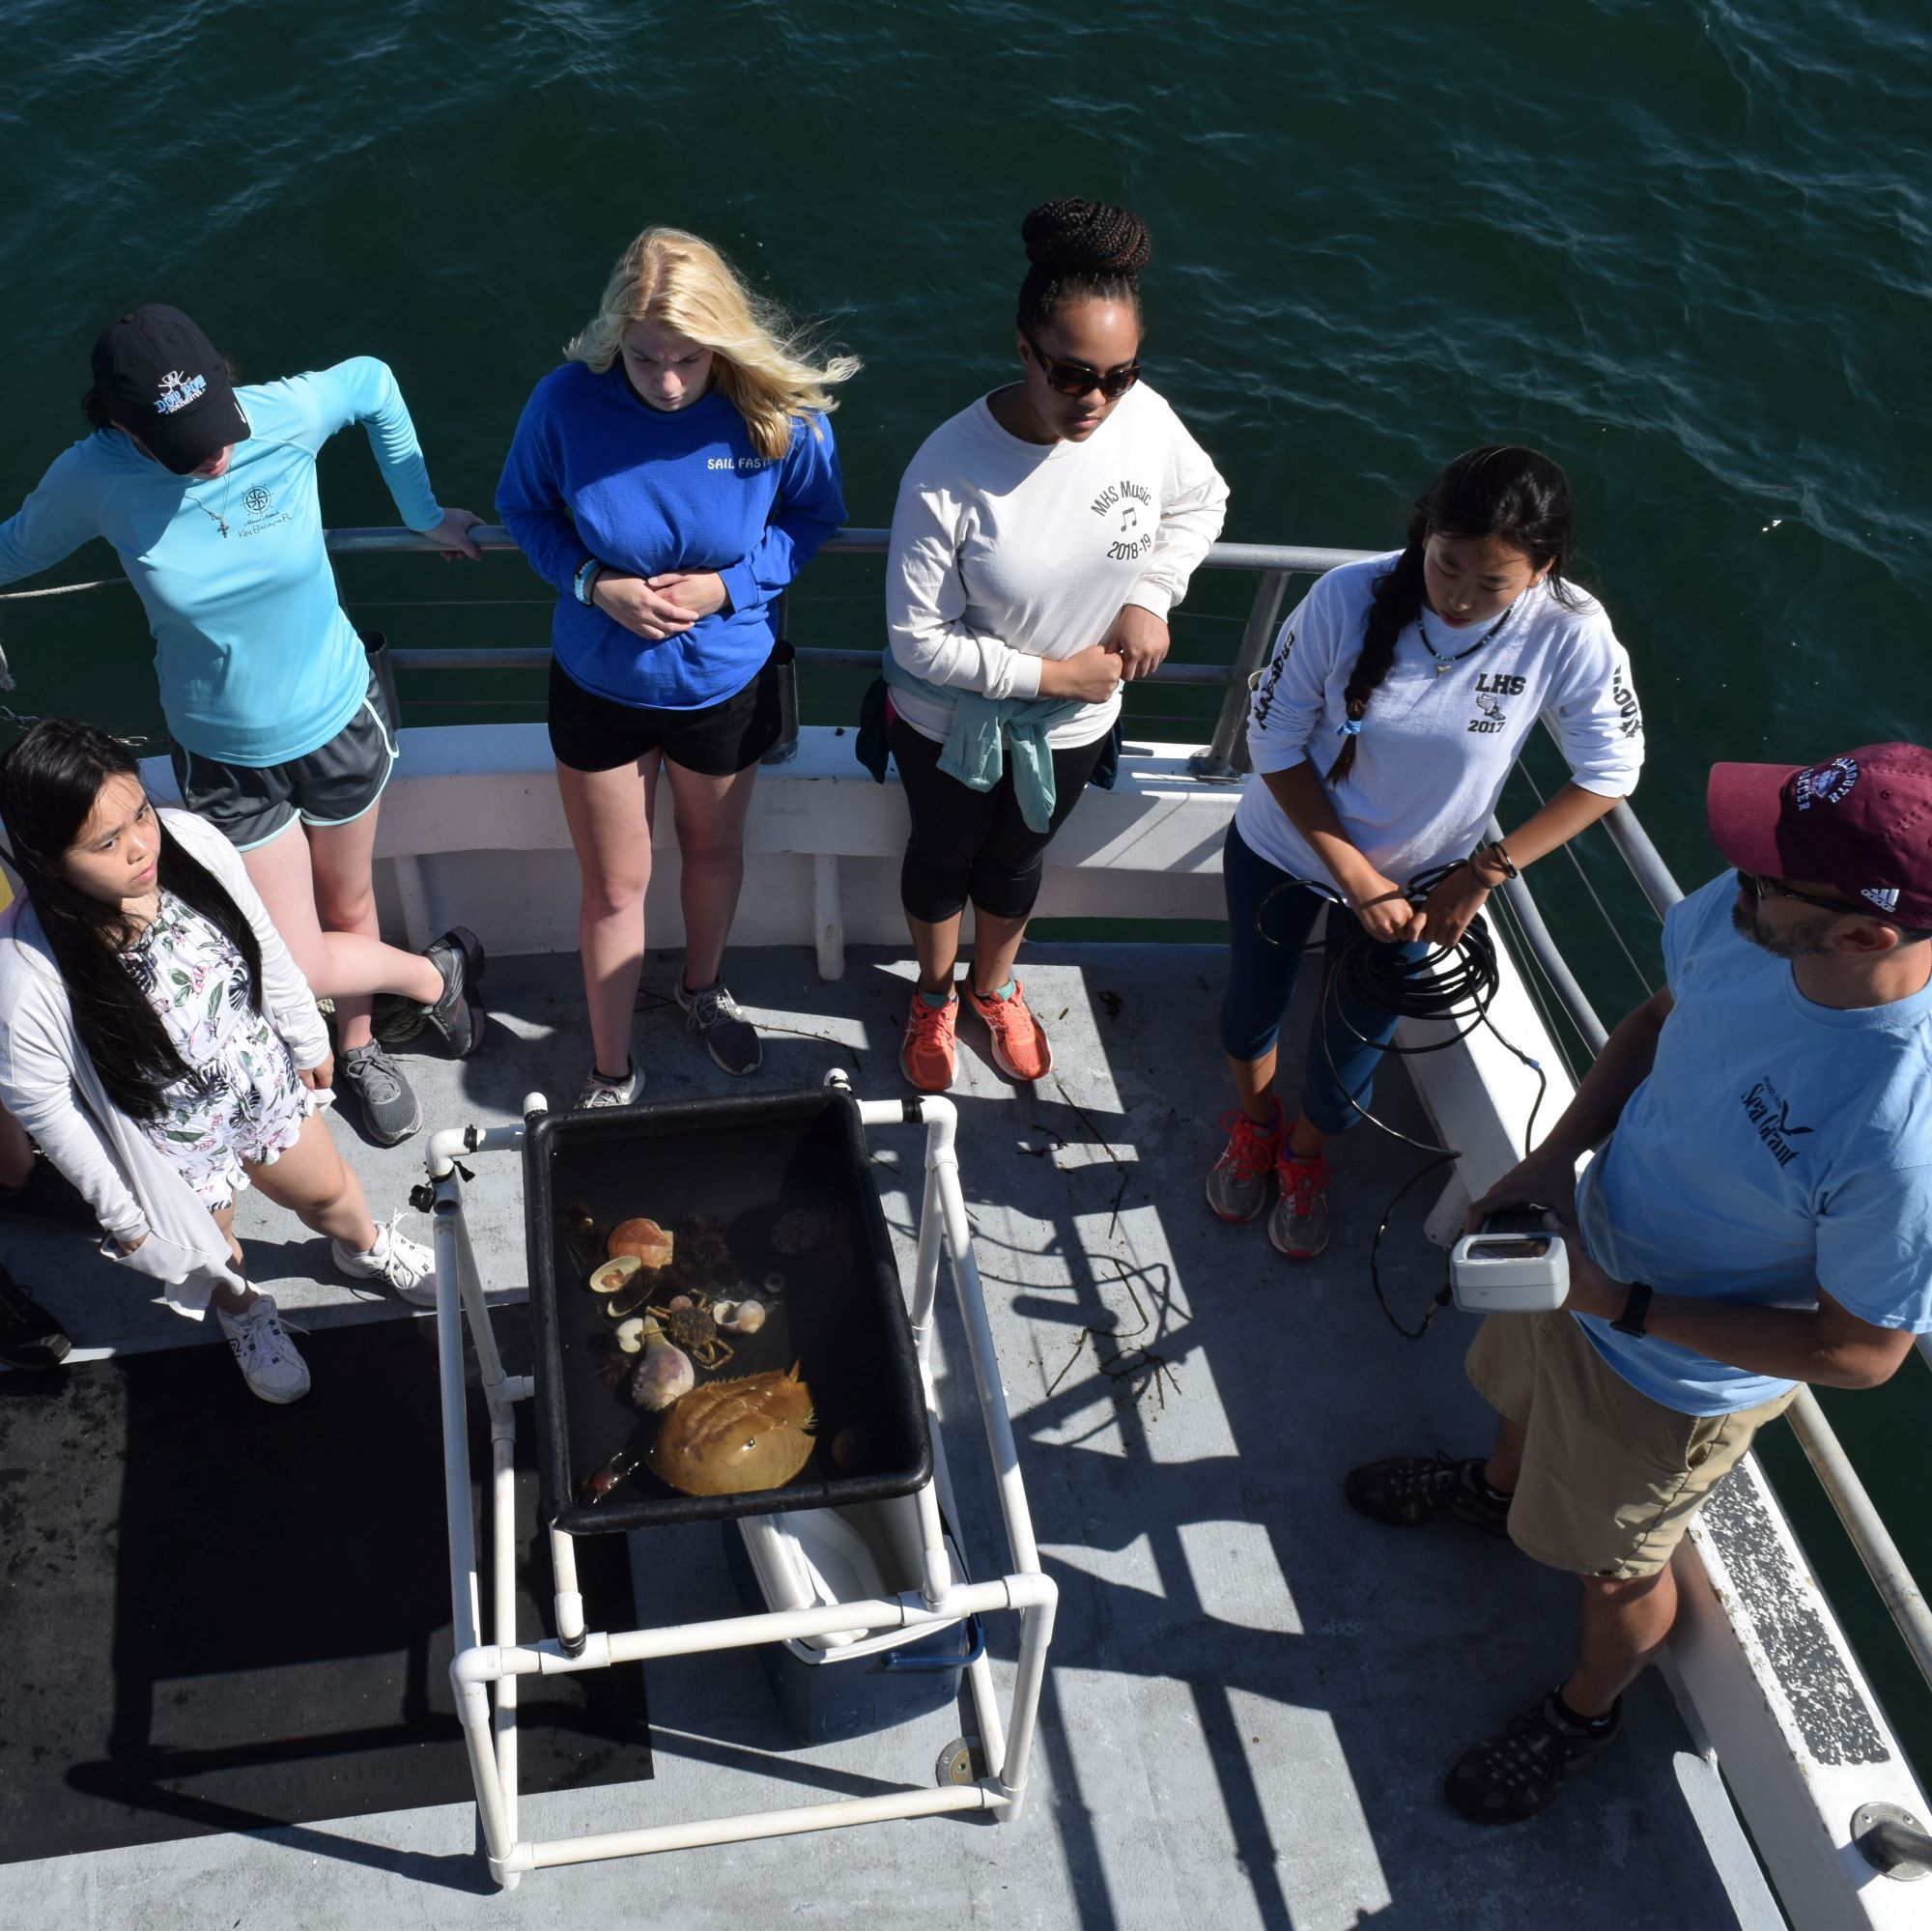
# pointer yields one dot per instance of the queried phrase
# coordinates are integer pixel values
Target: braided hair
(1081, 251)
(1513, 495)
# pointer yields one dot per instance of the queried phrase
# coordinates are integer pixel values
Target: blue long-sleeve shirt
(594, 471)
(257, 662)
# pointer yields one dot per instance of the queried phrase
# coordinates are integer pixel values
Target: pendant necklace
(215, 517)
(1442, 663)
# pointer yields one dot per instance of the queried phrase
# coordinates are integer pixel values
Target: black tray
(721, 1174)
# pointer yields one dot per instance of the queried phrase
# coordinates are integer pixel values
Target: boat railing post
(1892, 1841)
(1226, 758)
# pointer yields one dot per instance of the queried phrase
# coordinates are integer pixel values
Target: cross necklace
(221, 521)
(1442, 663)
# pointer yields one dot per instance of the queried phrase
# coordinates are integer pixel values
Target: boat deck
(1253, 1693)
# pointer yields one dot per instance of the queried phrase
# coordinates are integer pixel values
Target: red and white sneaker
(927, 1054)
(1298, 1226)
(1237, 1182)
(1020, 1048)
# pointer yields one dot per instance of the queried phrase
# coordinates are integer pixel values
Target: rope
(1459, 994)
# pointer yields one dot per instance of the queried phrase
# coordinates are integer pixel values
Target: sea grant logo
(1769, 1112)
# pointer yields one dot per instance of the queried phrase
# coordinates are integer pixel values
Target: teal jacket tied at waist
(982, 730)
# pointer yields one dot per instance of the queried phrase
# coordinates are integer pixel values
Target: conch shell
(646, 1238)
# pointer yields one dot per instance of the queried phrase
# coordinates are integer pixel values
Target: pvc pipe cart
(485, 1673)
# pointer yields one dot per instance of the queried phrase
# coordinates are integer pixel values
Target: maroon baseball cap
(162, 379)
(1861, 822)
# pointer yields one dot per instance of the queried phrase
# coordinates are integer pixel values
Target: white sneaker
(600, 1089)
(396, 1261)
(264, 1352)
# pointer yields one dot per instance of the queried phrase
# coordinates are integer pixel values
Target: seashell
(631, 1335)
(631, 1297)
(740, 1317)
(611, 1275)
(852, 1450)
(679, 1300)
(775, 1283)
(663, 1377)
(644, 1239)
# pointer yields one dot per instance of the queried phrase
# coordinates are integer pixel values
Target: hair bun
(1092, 238)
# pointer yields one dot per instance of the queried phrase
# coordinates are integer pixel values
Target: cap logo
(1826, 784)
(1883, 897)
(177, 390)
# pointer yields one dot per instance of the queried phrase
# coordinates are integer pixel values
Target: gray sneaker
(390, 1110)
(718, 1019)
(600, 1089)
(1298, 1226)
(458, 1014)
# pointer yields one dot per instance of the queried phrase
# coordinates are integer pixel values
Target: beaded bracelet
(586, 578)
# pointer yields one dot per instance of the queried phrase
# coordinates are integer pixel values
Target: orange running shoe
(927, 1054)
(1020, 1049)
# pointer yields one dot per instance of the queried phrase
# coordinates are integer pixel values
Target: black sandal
(1406, 1491)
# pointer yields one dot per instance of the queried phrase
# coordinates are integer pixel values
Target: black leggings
(975, 845)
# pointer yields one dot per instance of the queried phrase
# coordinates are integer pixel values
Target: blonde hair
(767, 369)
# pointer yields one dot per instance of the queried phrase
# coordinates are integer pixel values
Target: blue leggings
(1261, 981)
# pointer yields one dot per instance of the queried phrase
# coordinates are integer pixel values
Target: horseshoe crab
(730, 1437)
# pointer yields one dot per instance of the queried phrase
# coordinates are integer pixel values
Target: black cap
(159, 378)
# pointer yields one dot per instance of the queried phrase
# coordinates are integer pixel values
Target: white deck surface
(1254, 1693)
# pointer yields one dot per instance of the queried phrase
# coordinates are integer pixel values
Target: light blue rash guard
(1777, 1146)
(256, 660)
(596, 472)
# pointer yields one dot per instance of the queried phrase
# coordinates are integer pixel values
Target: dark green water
(1681, 246)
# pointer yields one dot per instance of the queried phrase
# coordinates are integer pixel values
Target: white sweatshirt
(1435, 747)
(49, 1084)
(1005, 552)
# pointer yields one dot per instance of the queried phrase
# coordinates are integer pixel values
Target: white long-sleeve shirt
(1435, 747)
(1005, 551)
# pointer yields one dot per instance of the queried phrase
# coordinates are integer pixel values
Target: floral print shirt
(242, 1099)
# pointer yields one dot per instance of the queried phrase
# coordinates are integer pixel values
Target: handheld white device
(1510, 1264)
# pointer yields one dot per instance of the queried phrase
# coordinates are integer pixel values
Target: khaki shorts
(1610, 1478)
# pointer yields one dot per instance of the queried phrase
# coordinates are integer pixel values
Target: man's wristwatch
(1636, 1310)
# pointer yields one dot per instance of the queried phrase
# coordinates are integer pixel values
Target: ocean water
(1685, 248)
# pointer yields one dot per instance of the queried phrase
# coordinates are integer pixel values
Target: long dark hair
(1081, 251)
(48, 783)
(1514, 495)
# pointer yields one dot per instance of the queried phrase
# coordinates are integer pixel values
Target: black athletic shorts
(592, 733)
(334, 785)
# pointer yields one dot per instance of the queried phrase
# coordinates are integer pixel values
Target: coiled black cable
(1450, 985)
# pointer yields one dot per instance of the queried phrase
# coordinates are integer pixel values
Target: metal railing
(1224, 759)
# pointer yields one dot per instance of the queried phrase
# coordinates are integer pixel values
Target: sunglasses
(1762, 888)
(1078, 379)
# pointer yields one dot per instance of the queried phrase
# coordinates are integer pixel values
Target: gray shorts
(334, 785)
